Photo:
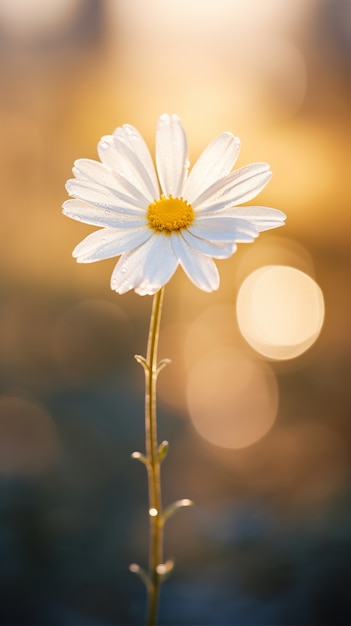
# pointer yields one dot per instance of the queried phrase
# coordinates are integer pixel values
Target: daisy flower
(158, 218)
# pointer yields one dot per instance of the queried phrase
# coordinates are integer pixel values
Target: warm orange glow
(236, 47)
(273, 249)
(280, 311)
(214, 328)
(232, 399)
(188, 343)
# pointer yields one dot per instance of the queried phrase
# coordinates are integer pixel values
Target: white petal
(239, 186)
(220, 228)
(159, 267)
(104, 197)
(171, 155)
(96, 172)
(218, 250)
(216, 161)
(264, 218)
(131, 136)
(128, 273)
(122, 160)
(88, 169)
(108, 242)
(90, 214)
(200, 269)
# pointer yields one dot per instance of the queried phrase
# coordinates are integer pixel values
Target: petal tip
(68, 184)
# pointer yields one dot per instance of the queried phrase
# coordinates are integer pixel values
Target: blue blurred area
(68, 534)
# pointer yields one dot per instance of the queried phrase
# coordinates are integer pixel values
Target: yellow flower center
(170, 214)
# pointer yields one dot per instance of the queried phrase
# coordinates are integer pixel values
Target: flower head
(157, 219)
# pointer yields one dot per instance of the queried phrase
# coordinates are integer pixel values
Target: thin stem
(153, 465)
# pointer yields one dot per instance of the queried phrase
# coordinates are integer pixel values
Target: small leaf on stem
(173, 508)
(139, 457)
(139, 571)
(141, 360)
(162, 364)
(163, 450)
(164, 570)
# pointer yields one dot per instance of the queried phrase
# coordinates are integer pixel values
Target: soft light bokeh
(238, 405)
(268, 539)
(280, 311)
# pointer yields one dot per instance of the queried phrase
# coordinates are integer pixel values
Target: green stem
(153, 464)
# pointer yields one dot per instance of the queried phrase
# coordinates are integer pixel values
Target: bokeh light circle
(280, 311)
(232, 398)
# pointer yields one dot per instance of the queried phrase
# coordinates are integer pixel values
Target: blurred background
(256, 402)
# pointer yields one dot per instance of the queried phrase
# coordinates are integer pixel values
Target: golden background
(268, 540)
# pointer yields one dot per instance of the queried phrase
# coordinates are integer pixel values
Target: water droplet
(153, 512)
